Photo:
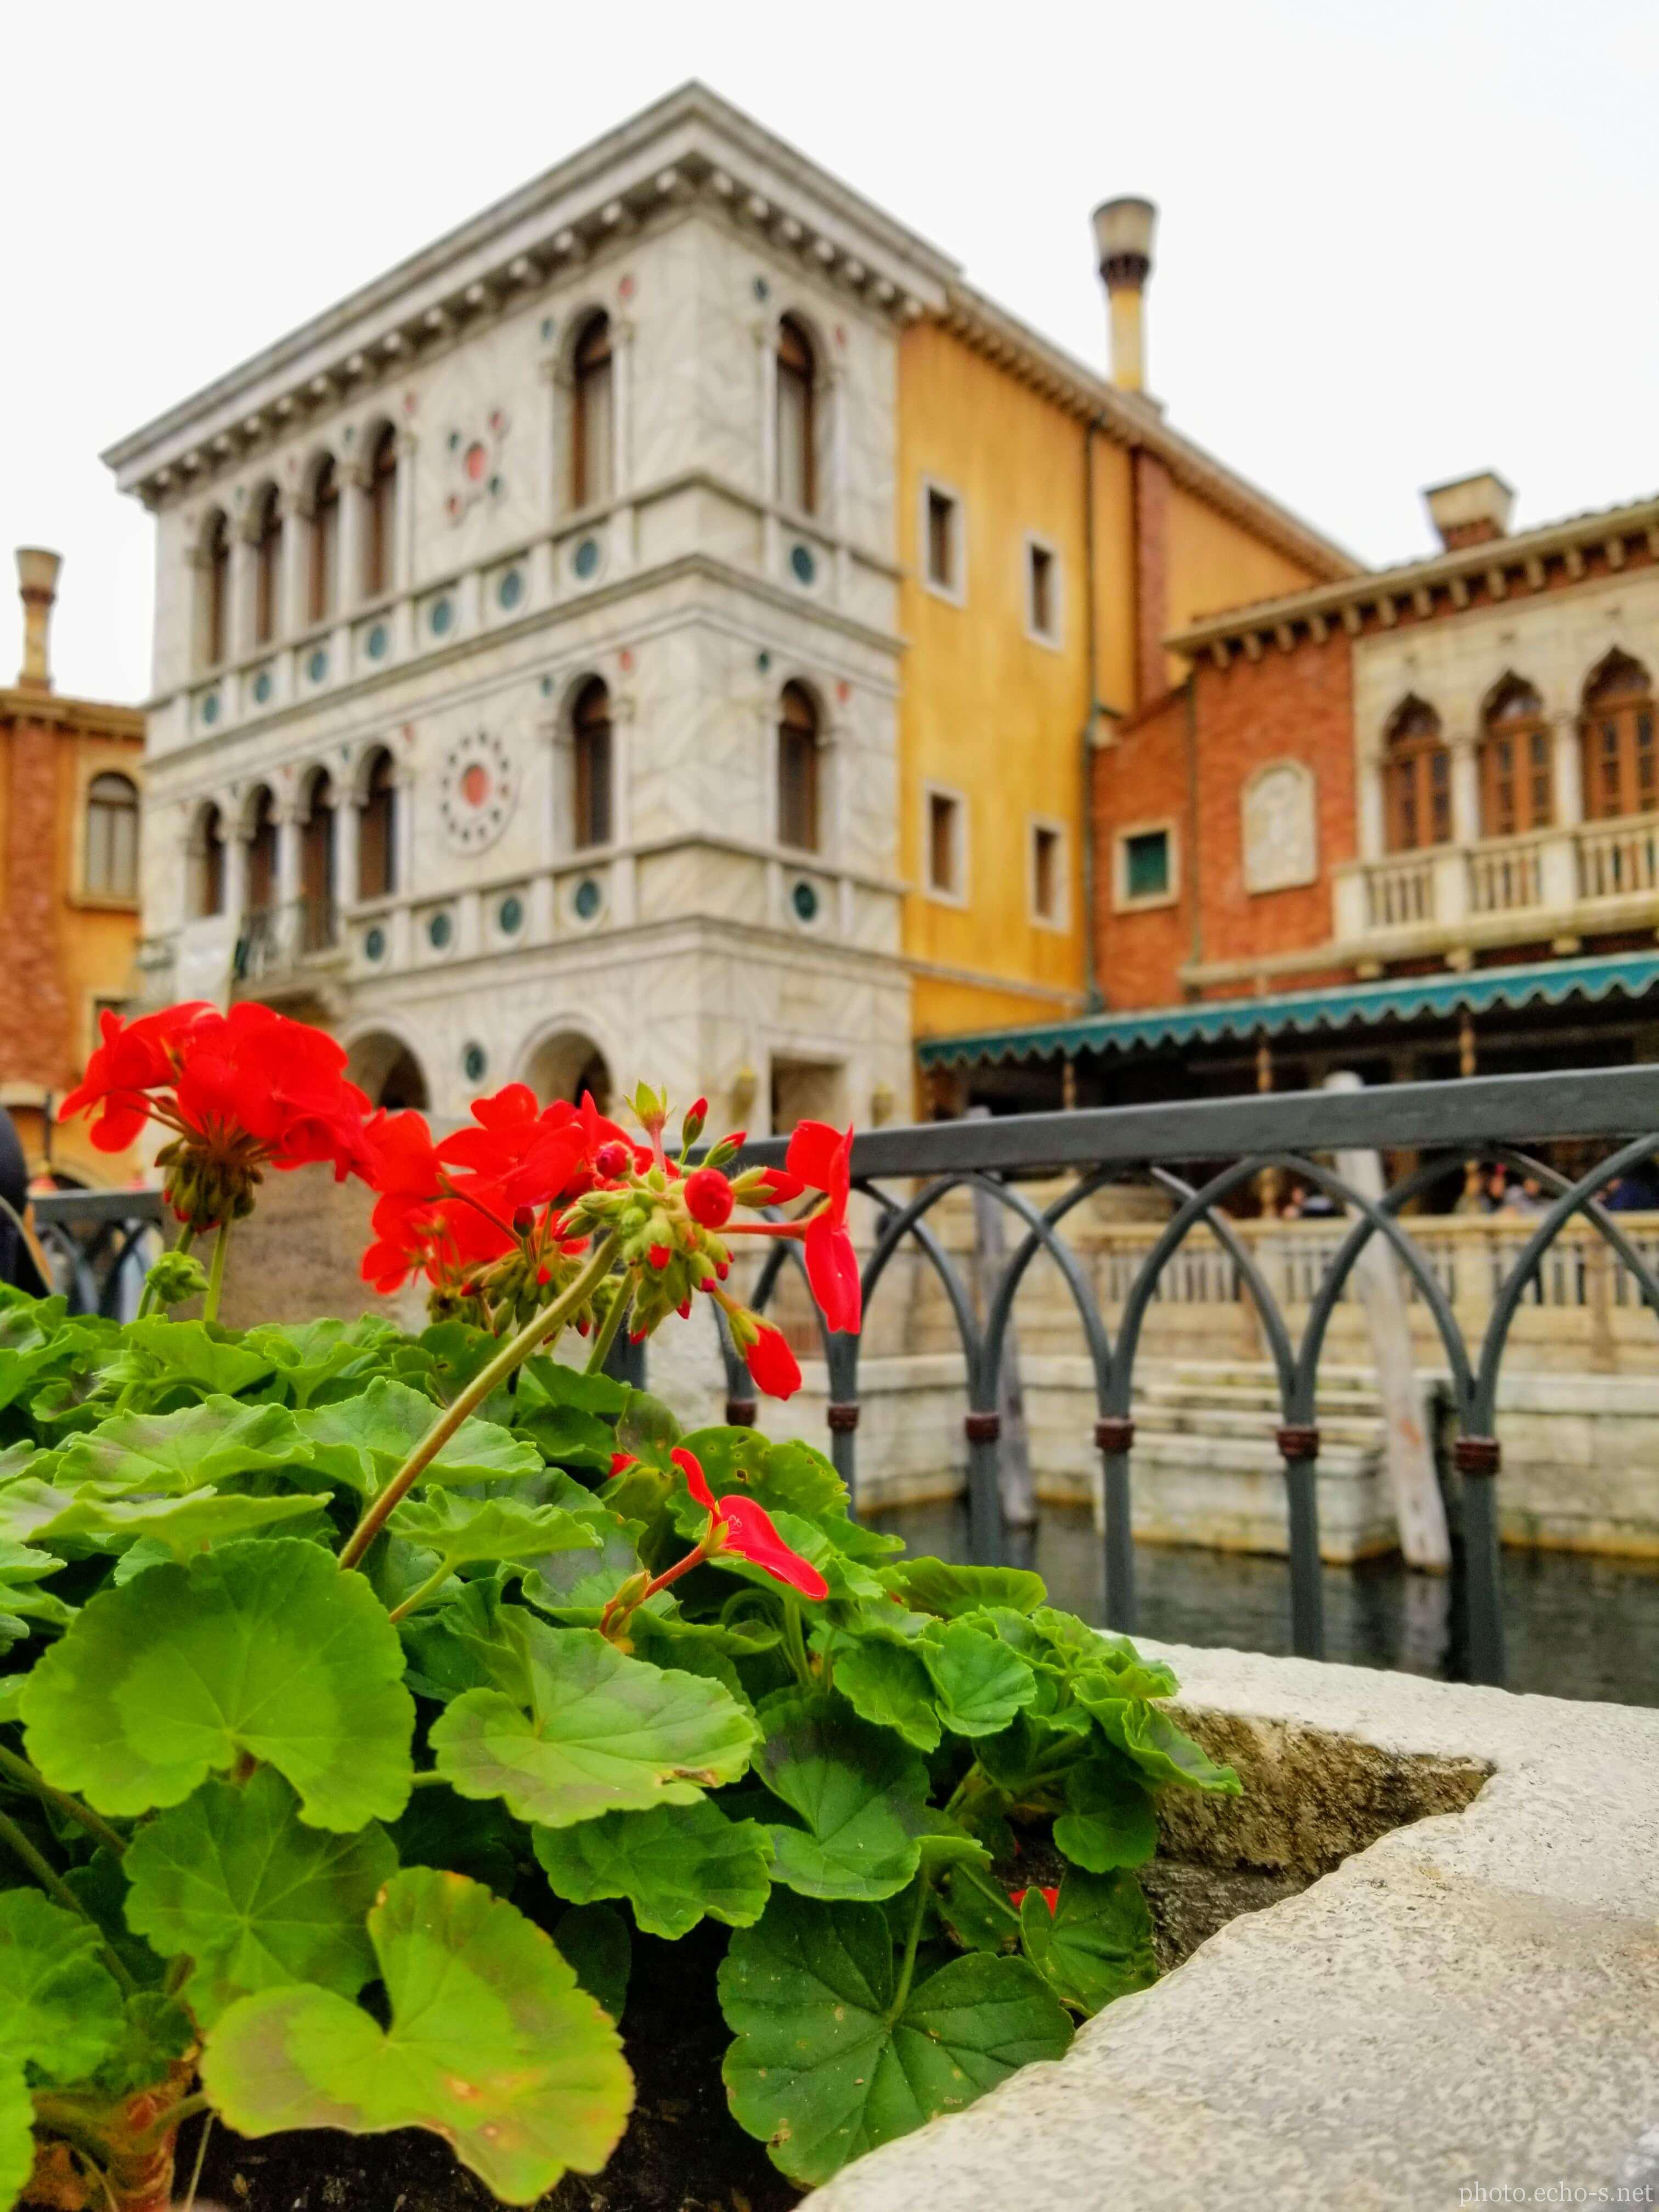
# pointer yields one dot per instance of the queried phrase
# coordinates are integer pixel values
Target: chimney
(1124, 243)
(37, 584)
(1471, 510)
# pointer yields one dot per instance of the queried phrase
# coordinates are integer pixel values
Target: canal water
(1576, 1626)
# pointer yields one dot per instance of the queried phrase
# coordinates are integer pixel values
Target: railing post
(1477, 1459)
(1298, 1447)
(1114, 1439)
(842, 1412)
(983, 1431)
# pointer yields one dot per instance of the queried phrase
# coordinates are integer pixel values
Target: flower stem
(55, 1887)
(32, 1779)
(165, 2123)
(907, 1965)
(794, 1633)
(607, 1334)
(187, 1238)
(216, 1274)
(429, 1588)
(512, 1356)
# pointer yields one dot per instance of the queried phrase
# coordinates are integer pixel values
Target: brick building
(1407, 821)
(69, 779)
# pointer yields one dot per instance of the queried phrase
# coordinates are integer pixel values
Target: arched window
(216, 588)
(1417, 768)
(796, 428)
(268, 566)
(1517, 782)
(317, 866)
(1618, 738)
(377, 833)
(798, 770)
(591, 765)
(111, 850)
(592, 413)
(378, 540)
(324, 564)
(262, 853)
(208, 866)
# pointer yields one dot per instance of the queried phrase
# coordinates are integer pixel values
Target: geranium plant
(303, 1629)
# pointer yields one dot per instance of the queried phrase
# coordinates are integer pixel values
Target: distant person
(1634, 1192)
(18, 1265)
(1529, 1196)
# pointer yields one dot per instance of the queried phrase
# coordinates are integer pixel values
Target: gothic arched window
(1620, 773)
(207, 866)
(268, 566)
(1417, 773)
(798, 770)
(324, 575)
(380, 559)
(377, 834)
(112, 839)
(592, 413)
(591, 765)
(1517, 781)
(216, 590)
(797, 372)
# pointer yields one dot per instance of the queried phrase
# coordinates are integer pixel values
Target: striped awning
(1339, 1007)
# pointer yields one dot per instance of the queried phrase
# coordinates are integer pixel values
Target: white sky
(1399, 242)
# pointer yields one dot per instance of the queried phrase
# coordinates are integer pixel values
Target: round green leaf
(187, 1352)
(886, 1685)
(1096, 1944)
(60, 2009)
(199, 1446)
(936, 1586)
(363, 1441)
(233, 1880)
(982, 1683)
(17, 2137)
(307, 1355)
(672, 1864)
(491, 2044)
(464, 1529)
(181, 1525)
(594, 1732)
(1162, 1752)
(21, 1599)
(260, 1649)
(1108, 1821)
(827, 2064)
(860, 1794)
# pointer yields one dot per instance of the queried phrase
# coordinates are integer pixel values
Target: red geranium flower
(772, 1364)
(132, 1059)
(739, 1526)
(822, 1158)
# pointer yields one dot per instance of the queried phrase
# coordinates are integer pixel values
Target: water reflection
(1576, 1626)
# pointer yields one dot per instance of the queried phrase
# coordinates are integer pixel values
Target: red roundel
(477, 462)
(475, 783)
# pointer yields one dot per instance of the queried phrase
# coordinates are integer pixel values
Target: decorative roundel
(474, 1061)
(762, 661)
(377, 642)
(439, 931)
(440, 616)
(375, 943)
(801, 561)
(805, 900)
(262, 687)
(316, 666)
(210, 708)
(588, 899)
(479, 786)
(510, 590)
(510, 915)
(586, 558)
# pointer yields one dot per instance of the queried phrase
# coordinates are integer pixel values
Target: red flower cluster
(242, 1091)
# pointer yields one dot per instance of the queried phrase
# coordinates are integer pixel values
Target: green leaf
(156, 2033)
(235, 1880)
(1108, 1821)
(975, 1908)
(567, 1437)
(981, 1682)
(190, 1352)
(464, 1529)
(262, 1650)
(935, 1586)
(594, 1732)
(562, 1385)
(576, 1581)
(860, 1794)
(17, 2136)
(363, 1441)
(595, 1942)
(886, 1685)
(305, 1356)
(647, 1428)
(1097, 1943)
(182, 1525)
(826, 2065)
(1156, 1746)
(33, 1342)
(672, 1864)
(60, 2008)
(492, 2045)
(198, 1446)
(21, 1570)
(441, 1830)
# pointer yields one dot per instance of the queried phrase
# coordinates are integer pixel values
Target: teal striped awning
(1340, 1006)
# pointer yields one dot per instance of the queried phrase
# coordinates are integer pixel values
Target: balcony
(1551, 884)
(289, 954)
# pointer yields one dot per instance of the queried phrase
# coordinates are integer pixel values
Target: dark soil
(683, 2151)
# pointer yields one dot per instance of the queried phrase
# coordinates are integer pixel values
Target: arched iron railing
(1486, 1120)
(98, 1243)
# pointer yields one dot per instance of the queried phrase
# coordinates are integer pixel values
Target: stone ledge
(1469, 2001)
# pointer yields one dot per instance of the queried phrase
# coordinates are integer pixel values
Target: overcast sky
(1398, 242)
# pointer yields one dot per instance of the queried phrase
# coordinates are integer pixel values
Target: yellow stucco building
(1053, 530)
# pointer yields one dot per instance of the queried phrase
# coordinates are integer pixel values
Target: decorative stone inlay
(375, 943)
(441, 615)
(317, 665)
(376, 644)
(478, 789)
(474, 1061)
(588, 898)
(585, 559)
(1279, 837)
(510, 590)
(262, 687)
(439, 930)
(805, 900)
(509, 916)
(210, 708)
(802, 564)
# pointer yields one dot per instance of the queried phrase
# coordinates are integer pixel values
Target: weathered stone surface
(1467, 2002)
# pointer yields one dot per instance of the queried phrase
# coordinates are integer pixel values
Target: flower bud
(709, 1198)
(695, 1114)
(614, 1158)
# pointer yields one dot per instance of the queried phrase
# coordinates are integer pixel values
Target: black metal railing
(98, 1244)
(1175, 1149)
(272, 939)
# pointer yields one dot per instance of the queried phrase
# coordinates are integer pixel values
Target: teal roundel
(441, 615)
(262, 687)
(589, 898)
(585, 559)
(375, 943)
(474, 1061)
(439, 931)
(316, 666)
(805, 900)
(376, 643)
(801, 561)
(510, 590)
(510, 915)
(210, 708)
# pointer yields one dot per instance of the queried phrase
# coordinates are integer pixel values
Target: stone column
(404, 561)
(236, 844)
(353, 486)
(622, 447)
(1465, 792)
(403, 826)
(833, 386)
(1373, 810)
(1568, 766)
(348, 815)
(286, 935)
(240, 615)
(766, 366)
(297, 562)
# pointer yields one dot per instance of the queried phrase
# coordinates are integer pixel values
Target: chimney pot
(1471, 510)
(1124, 230)
(37, 585)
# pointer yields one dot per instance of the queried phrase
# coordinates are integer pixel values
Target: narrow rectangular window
(943, 564)
(945, 844)
(1146, 864)
(1040, 593)
(1045, 897)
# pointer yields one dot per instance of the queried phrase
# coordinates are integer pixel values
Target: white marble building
(526, 649)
